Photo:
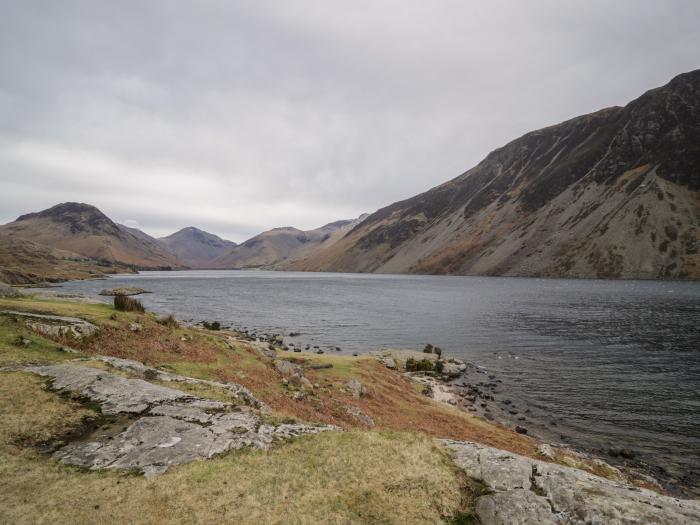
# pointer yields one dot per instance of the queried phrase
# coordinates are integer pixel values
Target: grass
(395, 474)
(40, 350)
(354, 477)
(393, 403)
(124, 303)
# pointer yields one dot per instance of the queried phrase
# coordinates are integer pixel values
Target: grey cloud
(241, 116)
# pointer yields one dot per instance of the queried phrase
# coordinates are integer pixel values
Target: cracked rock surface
(527, 491)
(240, 392)
(172, 427)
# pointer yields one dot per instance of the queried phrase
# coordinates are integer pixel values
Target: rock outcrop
(239, 392)
(128, 290)
(8, 291)
(521, 490)
(171, 427)
(55, 325)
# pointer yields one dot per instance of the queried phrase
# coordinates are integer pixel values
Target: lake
(598, 364)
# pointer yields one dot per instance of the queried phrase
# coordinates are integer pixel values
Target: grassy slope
(353, 477)
(392, 474)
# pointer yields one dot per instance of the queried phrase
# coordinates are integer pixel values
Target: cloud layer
(239, 116)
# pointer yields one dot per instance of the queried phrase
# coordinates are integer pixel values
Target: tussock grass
(124, 303)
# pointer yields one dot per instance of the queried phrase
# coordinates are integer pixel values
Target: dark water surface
(600, 363)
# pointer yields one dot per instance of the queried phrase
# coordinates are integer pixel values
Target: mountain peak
(63, 209)
(77, 216)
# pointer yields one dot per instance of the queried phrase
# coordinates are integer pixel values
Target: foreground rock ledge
(171, 427)
(527, 491)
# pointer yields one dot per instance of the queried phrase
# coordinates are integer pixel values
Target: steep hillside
(196, 248)
(281, 246)
(83, 229)
(611, 194)
(25, 262)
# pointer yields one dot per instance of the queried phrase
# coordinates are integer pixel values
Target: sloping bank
(234, 431)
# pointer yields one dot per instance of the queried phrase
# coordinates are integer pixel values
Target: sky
(240, 116)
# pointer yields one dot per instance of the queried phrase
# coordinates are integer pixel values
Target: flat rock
(356, 388)
(115, 394)
(239, 392)
(516, 507)
(123, 291)
(529, 491)
(172, 427)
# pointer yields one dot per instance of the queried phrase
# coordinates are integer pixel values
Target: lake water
(599, 364)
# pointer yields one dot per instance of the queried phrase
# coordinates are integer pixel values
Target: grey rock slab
(149, 445)
(115, 394)
(174, 427)
(498, 469)
(516, 507)
(238, 391)
(573, 496)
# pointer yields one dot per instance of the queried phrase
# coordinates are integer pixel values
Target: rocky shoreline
(478, 391)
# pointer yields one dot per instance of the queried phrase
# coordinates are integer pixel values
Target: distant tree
(428, 349)
(438, 351)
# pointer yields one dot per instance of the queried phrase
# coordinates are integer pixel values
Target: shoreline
(478, 384)
(135, 393)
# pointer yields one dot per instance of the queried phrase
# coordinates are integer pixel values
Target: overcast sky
(239, 116)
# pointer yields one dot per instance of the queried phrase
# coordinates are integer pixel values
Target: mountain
(84, 230)
(25, 262)
(279, 246)
(196, 248)
(611, 194)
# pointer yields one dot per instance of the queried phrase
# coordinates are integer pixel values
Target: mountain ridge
(510, 214)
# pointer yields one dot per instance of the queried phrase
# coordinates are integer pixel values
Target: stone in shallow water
(521, 486)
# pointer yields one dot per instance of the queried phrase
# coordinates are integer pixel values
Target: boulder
(360, 416)
(287, 369)
(356, 388)
(524, 490)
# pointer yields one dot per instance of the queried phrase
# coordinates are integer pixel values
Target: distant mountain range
(613, 194)
(76, 240)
